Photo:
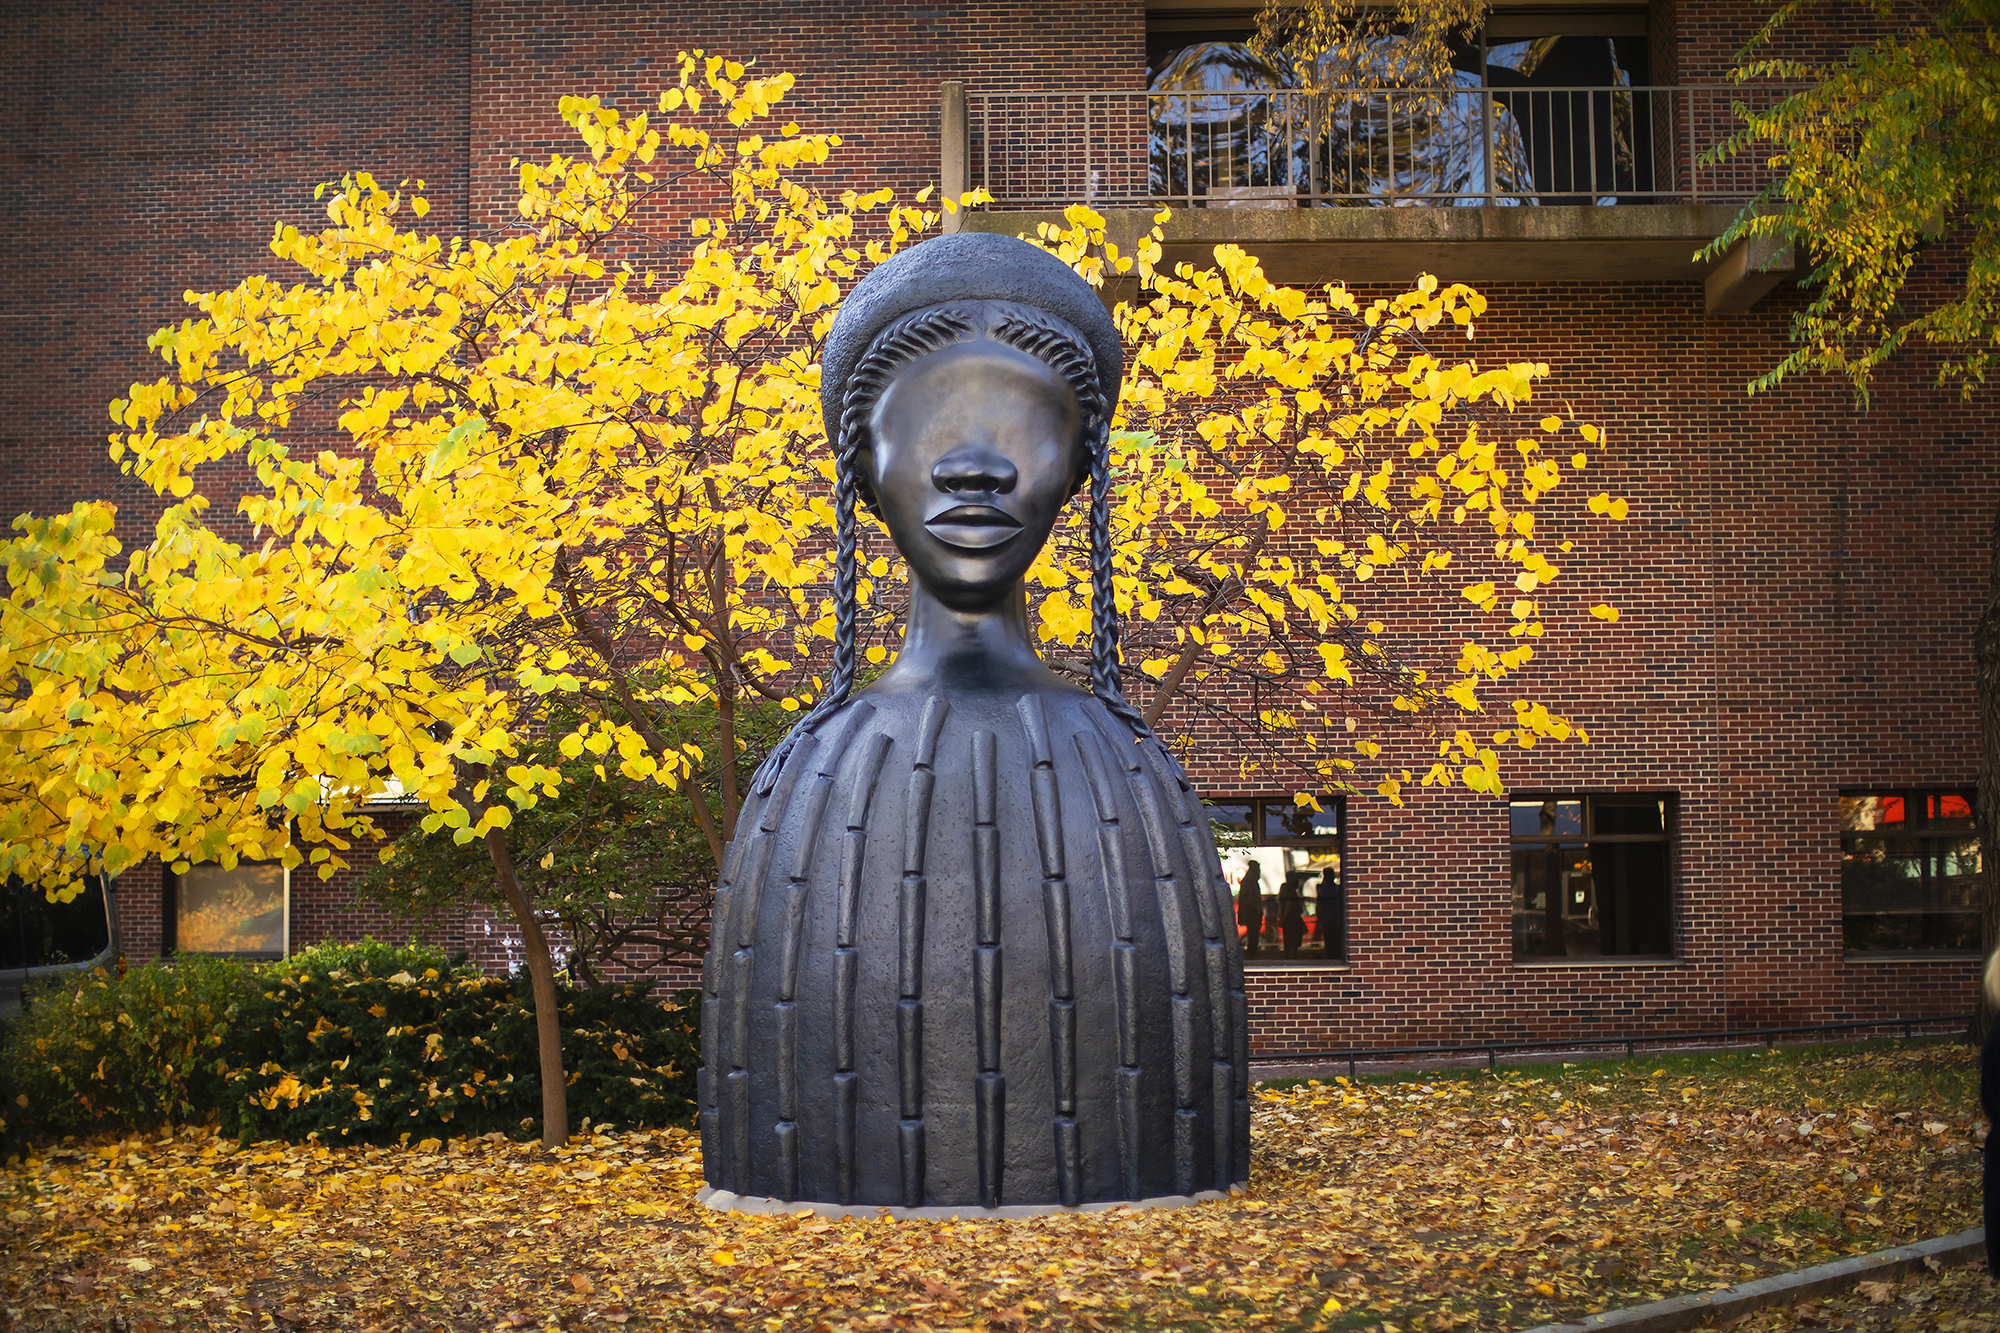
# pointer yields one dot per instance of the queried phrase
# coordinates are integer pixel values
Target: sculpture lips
(973, 527)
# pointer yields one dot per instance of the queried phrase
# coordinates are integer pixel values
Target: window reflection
(1949, 811)
(1620, 815)
(35, 932)
(1284, 879)
(1560, 119)
(239, 911)
(1547, 818)
(1909, 872)
(1300, 821)
(1592, 876)
(1232, 820)
(1867, 813)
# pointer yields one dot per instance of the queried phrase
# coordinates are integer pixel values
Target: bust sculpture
(972, 948)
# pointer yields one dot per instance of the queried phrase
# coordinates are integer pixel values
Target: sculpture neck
(967, 649)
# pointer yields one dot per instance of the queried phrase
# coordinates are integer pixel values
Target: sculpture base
(726, 1202)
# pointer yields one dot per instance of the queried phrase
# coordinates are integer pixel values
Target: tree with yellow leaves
(572, 495)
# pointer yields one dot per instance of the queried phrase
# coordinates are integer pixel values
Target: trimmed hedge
(136, 1049)
(366, 957)
(372, 1058)
(364, 1041)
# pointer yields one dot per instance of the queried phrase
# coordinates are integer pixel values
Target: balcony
(1601, 184)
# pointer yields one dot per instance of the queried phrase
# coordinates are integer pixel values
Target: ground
(1441, 1201)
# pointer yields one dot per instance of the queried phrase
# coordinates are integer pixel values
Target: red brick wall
(1799, 585)
(867, 71)
(1798, 582)
(325, 911)
(150, 149)
(321, 910)
(1704, 36)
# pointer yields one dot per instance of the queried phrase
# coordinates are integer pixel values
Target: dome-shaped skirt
(974, 951)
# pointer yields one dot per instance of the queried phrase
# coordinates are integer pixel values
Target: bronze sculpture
(972, 948)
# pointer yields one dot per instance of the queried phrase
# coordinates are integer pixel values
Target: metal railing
(1492, 1050)
(1358, 147)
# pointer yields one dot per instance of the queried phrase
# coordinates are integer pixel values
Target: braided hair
(905, 340)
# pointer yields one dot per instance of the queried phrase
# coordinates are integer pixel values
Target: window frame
(170, 892)
(1336, 842)
(1586, 836)
(1922, 835)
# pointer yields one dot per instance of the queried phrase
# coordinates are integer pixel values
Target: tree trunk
(542, 979)
(1170, 686)
(1986, 803)
(725, 718)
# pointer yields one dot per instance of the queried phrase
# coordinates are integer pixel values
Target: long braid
(1104, 673)
(901, 343)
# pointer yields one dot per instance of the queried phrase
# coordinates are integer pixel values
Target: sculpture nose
(975, 467)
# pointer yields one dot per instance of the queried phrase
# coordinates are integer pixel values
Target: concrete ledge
(1732, 1302)
(1622, 243)
(726, 1202)
(1741, 278)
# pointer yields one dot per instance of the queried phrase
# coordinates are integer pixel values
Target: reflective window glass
(1232, 822)
(1909, 872)
(239, 911)
(1949, 811)
(1621, 816)
(1862, 814)
(35, 932)
(1285, 881)
(1298, 821)
(1607, 895)
(1553, 817)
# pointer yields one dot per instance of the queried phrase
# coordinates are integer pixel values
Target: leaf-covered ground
(1475, 1201)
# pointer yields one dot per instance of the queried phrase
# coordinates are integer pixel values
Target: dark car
(40, 939)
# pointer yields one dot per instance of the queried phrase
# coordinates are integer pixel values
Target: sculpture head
(968, 385)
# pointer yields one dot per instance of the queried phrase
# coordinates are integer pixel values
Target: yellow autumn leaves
(550, 471)
(1432, 1201)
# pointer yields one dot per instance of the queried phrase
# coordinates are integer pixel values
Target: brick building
(1770, 826)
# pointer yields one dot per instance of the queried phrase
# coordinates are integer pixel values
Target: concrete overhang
(1299, 246)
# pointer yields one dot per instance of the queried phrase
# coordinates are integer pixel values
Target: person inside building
(1250, 906)
(1292, 913)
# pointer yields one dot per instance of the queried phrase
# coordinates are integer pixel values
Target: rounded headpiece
(967, 266)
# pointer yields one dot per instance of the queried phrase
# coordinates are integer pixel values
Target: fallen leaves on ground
(1490, 1202)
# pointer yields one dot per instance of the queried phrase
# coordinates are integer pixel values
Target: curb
(1679, 1312)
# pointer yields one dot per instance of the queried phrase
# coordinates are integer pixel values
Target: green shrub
(12, 1099)
(362, 1041)
(366, 957)
(137, 1050)
(339, 1055)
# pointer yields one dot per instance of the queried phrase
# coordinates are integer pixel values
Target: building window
(1282, 862)
(1909, 872)
(1593, 876)
(1542, 107)
(245, 912)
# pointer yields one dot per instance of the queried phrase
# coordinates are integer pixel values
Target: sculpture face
(975, 448)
